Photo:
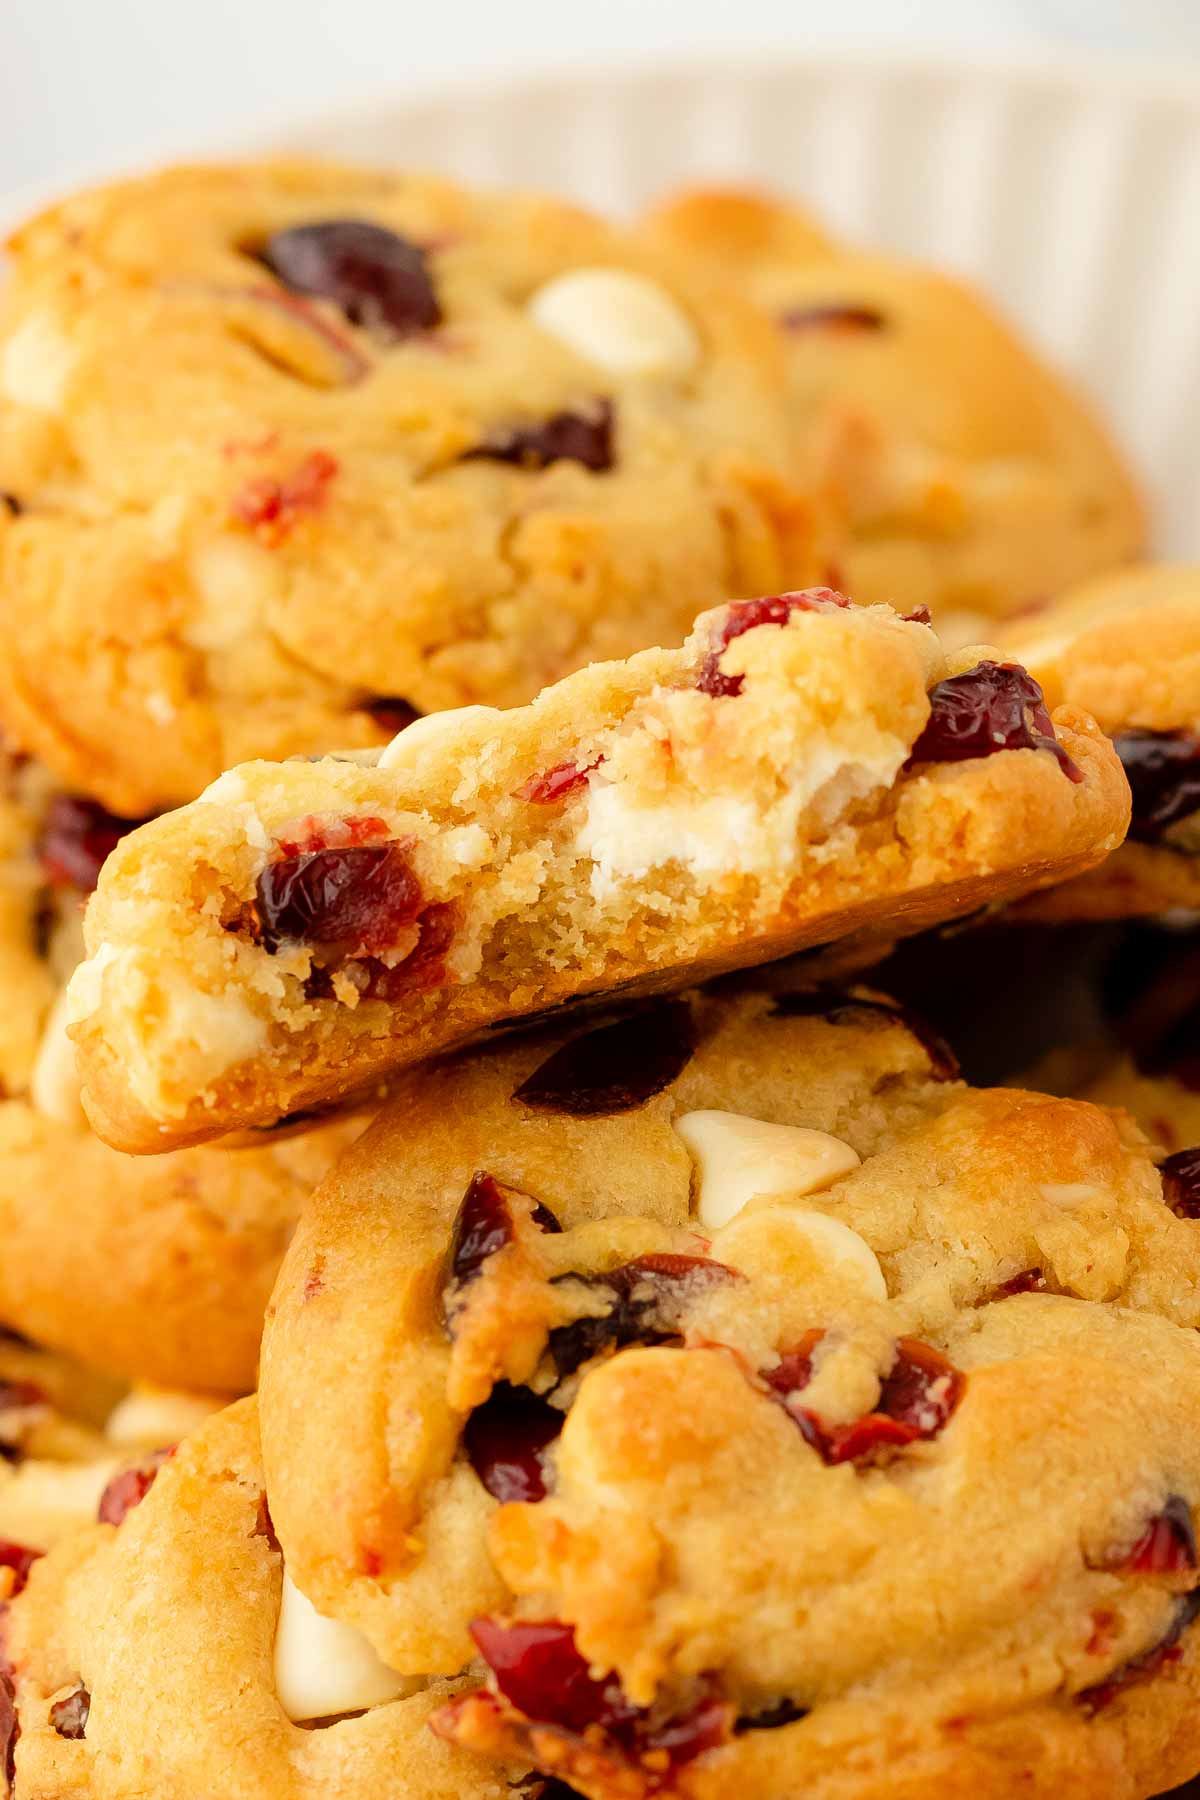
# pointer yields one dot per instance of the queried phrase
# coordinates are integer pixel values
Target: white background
(86, 84)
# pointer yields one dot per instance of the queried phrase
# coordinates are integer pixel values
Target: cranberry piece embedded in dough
(375, 277)
(362, 896)
(130, 1487)
(1163, 768)
(992, 707)
(584, 438)
(616, 1067)
(506, 1440)
(745, 615)
(77, 836)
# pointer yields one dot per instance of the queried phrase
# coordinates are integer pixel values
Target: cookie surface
(441, 447)
(1127, 647)
(974, 478)
(617, 1310)
(802, 771)
(155, 1270)
(139, 1660)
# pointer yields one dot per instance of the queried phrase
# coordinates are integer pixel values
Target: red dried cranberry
(994, 706)
(130, 1487)
(539, 1670)
(69, 1716)
(920, 615)
(833, 317)
(616, 1067)
(917, 1399)
(20, 1559)
(585, 438)
(362, 896)
(1168, 1544)
(391, 713)
(272, 504)
(1144, 1667)
(425, 965)
(745, 615)
(506, 1439)
(1029, 1281)
(1181, 1182)
(647, 1299)
(1163, 768)
(483, 1226)
(377, 278)
(10, 1728)
(77, 835)
(842, 1008)
(557, 783)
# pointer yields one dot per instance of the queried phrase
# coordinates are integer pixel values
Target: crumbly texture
(720, 805)
(325, 532)
(167, 1621)
(955, 1611)
(974, 478)
(153, 1270)
(1127, 648)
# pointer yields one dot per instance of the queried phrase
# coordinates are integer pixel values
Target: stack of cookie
(501, 1297)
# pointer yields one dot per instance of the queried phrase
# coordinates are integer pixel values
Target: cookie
(801, 771)
(1128, 649)
(974, 477)
(153, 1270)
(441, 447)
(141, 1659)
(771, 1412)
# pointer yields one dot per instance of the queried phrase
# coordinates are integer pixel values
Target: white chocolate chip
(409, 747)
(233, 581)
(738, 1158)
(149, 1417)
(1069, 1194)
(36, 364)
(41, 1501)
(759, 1241)
(323, 1667)
(54, 1083)
(85, 990)
(622, 321)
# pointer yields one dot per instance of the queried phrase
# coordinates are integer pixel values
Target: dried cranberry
(920, 615)
(11, 505)
(615, 1067)
(77, 835)
(916, 1400)
(585, 438)
(539, 1670)
(994, 706)
(681, 1738)
(130, 1487)
(391, 713)
(833, 317)
(425, 965)
(1029, 1281)
(20, 1559)
(377, 278)
(847, 1009)
(272, 504)
(483, 1226)
(1181, 1182)
(647, 1299)
(506, 1439)
(361, 896)
(1163, 768)
(1168, 1544)
(557, 783)
(745, 615)
(1148, 1664)
(785, 1712)
(69, 1716)
(10, 1728)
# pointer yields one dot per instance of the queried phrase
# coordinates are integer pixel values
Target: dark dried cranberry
(483, 1226)
(1168, 1544)
(920, 615)
(916, 1401)
(585, 438)
(538, 1670)
(10, 504)
(994, 706)
(69, 1716)
(506, 1439)
(785, 1712)
(846, 1009)
(745, 615)
(77, 835)
(1181, 1182)
(362, 896)
(647, 1299)
(704, 1726)
(1163, 768)
(833, 317)
(130, 1487)
(1029, 1281)
(20, 1559)
(1144, 1667)
(391, 713)
(10, 1729)
(557, 783)
(378, 279)
(616, 1067)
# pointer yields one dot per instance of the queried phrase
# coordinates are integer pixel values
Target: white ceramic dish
(1071, 192)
